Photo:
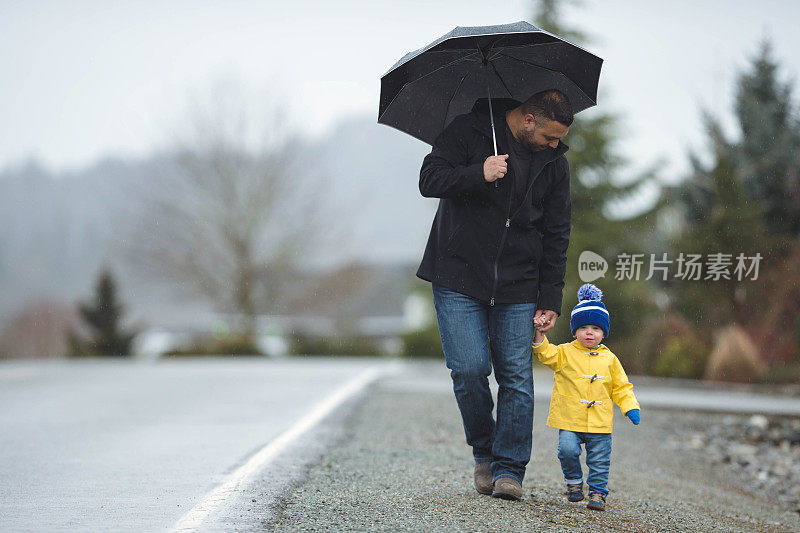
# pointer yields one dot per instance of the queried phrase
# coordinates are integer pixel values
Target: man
(496, 257)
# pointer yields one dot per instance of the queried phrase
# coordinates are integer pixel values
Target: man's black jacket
(487, 241)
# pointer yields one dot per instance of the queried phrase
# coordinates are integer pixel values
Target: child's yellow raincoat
(584, 385)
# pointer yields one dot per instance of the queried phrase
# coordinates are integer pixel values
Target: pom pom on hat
(590, 310)
(589, 291)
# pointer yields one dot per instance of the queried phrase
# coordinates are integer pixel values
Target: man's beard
(531, 144)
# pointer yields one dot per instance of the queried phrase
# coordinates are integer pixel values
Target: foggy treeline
(223, 223)
(59, 230)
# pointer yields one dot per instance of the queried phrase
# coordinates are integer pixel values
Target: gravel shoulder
(398, 462)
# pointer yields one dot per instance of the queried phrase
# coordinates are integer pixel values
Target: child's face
(590, 336)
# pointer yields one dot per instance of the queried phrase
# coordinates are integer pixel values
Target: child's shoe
(574, 492)
(597, 501)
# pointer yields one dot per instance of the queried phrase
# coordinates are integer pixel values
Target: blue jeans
(475, 338)
(598, 458)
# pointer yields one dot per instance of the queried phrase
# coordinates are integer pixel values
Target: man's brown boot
(483, 477)
(507, 488)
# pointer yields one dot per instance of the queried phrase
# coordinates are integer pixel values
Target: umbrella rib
(494, 68)
(469, 57)
(452, 96)
(529, 63)
(493, 43)
(549, 70)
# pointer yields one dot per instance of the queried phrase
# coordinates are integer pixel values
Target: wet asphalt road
(130, 446)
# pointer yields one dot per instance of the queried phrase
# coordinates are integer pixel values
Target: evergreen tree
(102, 317)
(766, 155)
(602, 219)
(769, 150)
(747, 200)
(730, 226)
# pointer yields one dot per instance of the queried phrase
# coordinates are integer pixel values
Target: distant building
(377, 302)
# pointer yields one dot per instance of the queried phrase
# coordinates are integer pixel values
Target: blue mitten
(633, 414)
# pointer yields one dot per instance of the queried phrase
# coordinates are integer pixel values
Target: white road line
(261, 459)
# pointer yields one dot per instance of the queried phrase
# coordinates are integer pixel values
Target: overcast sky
(82, 79)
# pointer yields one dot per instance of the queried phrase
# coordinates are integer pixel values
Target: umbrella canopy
(427, 88)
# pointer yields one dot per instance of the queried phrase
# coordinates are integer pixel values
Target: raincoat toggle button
(592, 403)
(594, 353)
(592, 378)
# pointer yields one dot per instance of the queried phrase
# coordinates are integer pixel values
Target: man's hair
(550, 105)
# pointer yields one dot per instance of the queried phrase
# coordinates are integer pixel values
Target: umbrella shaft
(491, 115)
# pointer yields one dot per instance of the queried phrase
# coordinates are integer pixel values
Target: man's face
(541, 134)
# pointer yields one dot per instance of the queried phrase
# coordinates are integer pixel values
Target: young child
(587, 378)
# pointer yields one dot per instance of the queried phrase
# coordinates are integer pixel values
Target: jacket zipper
(502, 243)
(508, 224)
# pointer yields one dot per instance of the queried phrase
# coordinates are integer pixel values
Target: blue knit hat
(590, 310)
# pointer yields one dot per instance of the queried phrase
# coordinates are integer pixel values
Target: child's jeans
(598, 458)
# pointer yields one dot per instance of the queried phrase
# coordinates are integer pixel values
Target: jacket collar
(601, 349)
(500, 106)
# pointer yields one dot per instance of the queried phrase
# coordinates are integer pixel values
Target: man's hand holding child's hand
(544, 320)
(540, 323)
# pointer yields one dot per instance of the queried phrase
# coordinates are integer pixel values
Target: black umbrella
(427, 88)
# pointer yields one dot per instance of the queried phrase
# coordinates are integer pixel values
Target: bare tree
(237, 206)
